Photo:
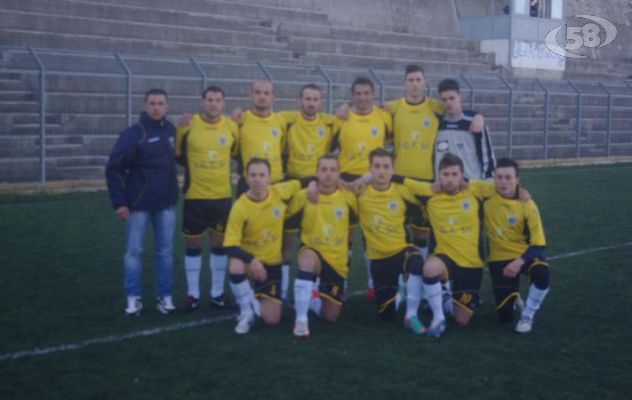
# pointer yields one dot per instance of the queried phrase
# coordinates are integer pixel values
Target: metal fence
(45, 63)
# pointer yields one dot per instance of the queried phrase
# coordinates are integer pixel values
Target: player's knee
(540, 276)
(236, 266)
(462, 319)
(307, 261)
(431, 268)
(194, 242)
(330, 315)
(271, 319)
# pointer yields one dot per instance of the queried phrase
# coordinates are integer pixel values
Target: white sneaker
(301, 329)
(244, 322)
(134, 305)
(165, 305)
(524, 325)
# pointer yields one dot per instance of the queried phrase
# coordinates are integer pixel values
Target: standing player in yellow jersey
(253, 241)
(516, 245)
(324, 244)
(455, 222)
(261, 133)
(382, 210)
(308, 137)
(204, 147)
(364, 130)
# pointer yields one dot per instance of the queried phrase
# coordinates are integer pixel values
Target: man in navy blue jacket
(141, 179)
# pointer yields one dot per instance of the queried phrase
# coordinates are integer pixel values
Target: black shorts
(200, 215)
(416, 217)
(466, 283)
(332, 285)
(507, 290)
(270, 289)
(385, 273)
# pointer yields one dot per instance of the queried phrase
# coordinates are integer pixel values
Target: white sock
(413, 295)
(302, 297)
(192, 267)
(244, 295)
(368, 274)
(534, 301)
(285, 280)
(217, 264)
(434, 296)
(424, 251)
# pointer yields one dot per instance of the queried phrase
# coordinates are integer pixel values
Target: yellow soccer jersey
(306, 142)
(207, 149)
(257, 227)
(455, 222)
(382, 216)
(512, 226)
(263, 138)
(360, 134)
(415, 129)
(325, 226)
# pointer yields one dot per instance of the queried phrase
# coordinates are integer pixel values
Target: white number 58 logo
(581, 36)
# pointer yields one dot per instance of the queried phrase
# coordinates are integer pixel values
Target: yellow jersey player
(253, 241)
(516, 245)
(455, 225)
(261, 133)
(324, 246)
(382, 213)
(308, 137)
(204, 147)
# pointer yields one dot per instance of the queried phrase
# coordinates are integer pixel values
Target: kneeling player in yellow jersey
(516, 245)
(382, 210)
(455, 226)
(324, 246)
(253, 242)
(204, 147)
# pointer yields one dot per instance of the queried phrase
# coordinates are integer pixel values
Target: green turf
(61, 282)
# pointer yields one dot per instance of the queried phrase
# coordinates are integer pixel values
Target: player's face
(415, 84)
(328, 173)
(213, 104)
(310, 102)
(362, 97)
(506, 181)
(382, 170)
(451, 101)
(450, 179)
(258, 177)
(262, 95)
(156, 106)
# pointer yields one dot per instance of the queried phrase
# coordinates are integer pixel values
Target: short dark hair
(448, 84)
(155, 92)
(450, 160)
(308, 86)
(258, 160)
(410, 68)
(328, 157)
(213, 89)
(508, 163)
(362, 80)
(380, 152)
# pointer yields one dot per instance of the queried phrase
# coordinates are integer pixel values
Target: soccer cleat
(301, 329)
(524, 325)
(190, 304)
(415, 325)
(223, 301)
(371, 294)
(436, 328)
(244, 322)
(165, 305)
(134, 306)
(518, 304)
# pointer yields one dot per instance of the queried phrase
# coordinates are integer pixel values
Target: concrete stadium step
(16, 95)
(54, 23)
(140, 14)
(132, 45)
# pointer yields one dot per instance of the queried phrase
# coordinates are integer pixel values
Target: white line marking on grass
(209, 321)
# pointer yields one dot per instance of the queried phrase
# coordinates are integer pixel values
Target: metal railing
(389, 83)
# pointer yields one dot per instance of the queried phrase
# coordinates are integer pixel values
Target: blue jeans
(164, 224)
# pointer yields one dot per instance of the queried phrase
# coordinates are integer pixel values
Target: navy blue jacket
(141, 171)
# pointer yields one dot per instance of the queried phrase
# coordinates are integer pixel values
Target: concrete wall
(428, 17)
